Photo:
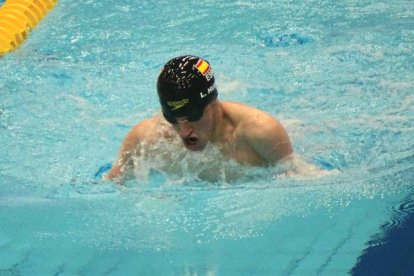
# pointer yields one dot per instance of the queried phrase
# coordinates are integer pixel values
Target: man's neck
(222, 124)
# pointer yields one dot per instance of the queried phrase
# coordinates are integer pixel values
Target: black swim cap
(185, 87)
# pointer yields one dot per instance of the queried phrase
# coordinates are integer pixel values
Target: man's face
(195, 135)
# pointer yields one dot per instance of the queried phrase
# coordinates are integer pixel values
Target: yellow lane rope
(17, 18)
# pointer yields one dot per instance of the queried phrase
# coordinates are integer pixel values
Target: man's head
(185, 87)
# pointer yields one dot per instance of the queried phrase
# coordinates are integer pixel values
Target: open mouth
(191, 141)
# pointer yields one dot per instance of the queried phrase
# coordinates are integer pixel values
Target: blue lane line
(394, 255)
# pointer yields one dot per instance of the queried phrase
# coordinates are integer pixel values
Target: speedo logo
(177, 104)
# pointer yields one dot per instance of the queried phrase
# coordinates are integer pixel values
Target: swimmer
(193, 116)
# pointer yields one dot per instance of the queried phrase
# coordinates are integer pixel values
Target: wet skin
(242, 133)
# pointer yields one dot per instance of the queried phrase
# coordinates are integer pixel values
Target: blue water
(339, 76)
(393, 252)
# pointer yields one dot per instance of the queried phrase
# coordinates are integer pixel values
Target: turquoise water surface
(339, 76)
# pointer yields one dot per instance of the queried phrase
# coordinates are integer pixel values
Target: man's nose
(185, 129)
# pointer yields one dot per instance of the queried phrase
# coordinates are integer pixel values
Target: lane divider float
(17, 18)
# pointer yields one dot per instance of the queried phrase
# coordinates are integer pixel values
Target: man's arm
(129, 148)
(269, 139)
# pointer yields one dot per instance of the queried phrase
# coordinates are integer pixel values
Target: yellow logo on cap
(177, 104)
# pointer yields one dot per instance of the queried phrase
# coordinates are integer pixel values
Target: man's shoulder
(243, 110)
(249, 116)
(231, 105)
(144, 125)
(151, 128)
(262, 131)
(254, 124)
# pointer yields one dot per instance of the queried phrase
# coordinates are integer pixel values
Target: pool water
(339, 76)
